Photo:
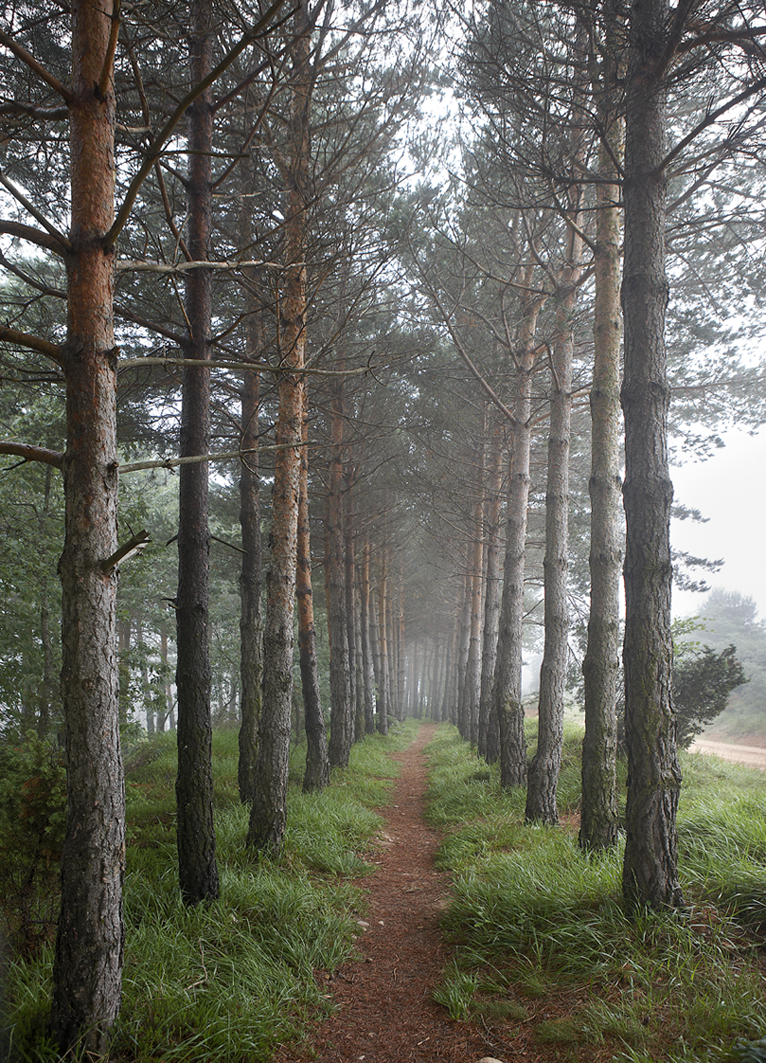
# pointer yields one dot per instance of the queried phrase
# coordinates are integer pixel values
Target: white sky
(729, 489)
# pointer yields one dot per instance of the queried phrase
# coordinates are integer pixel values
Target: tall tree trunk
(506, 691)
(650, 871)
(340, 666)
(383, 642)
(489, 737)
(355, 725)
(463, 649)
(401, 660)
(45, 699)
(542, 781)
(87, 970)
(601, 667)
(195, 832)
(250, 624)
(472, 685)
(317, 774)
(367, 660)
(268, 814)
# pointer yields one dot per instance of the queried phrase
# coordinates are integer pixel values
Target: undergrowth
(230, 980)
(543, 940)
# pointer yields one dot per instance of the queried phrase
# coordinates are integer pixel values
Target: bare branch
(196, 459)
(131, 265)
(155, 148)
(32, 343)
(108, 67)
(260, 367)
(31, 453)
(33, 236)
(17, 194)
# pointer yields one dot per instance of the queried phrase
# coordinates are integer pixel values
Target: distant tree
(702, 683)
(729, 618)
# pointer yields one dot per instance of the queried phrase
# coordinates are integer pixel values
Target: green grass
(538, 924)
(230, 980)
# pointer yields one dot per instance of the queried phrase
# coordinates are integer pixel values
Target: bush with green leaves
(32, 823)
(702, 683)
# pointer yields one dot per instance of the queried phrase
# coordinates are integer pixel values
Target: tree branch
(31, 453)
(155, 148)
(33, 236)
(32, 343)
(49, 226)
(27, 57)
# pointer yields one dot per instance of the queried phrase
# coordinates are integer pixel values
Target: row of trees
(299, 304)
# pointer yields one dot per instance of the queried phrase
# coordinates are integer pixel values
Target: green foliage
(728, 618)
(534, 917)
(702, 683)
(32, 824)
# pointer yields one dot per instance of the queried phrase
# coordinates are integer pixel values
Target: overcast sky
(729, 489)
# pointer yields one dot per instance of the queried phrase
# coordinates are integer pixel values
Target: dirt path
(386, 1012)
(752, 756)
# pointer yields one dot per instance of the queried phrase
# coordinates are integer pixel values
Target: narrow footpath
(386, 1012)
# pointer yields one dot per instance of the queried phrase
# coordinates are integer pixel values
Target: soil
(753, 755)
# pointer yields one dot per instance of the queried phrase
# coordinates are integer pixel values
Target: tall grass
(535, 920)
(228, 981)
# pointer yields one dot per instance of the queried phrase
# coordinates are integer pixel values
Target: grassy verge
(231, 980)
(544, 946)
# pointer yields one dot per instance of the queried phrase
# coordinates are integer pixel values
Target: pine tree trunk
(355, 721)
(382, 705)
(472, 686)
(87, 970)
(197, 866)
(268, 814)
(542, 781)
(650, 872)
(489, 736)
(317, 774)
(367, 660)
(250, 624)
(601, 667)
(46, 695)
(340, 664)
(506, 691)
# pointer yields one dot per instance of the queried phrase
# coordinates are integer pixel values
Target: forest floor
(385, 1008)
(386, 1013)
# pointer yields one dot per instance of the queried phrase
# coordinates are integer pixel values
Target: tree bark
(251, 623)
(340, 662)
(195, 832)
(506, 691)
(317, 774)
(268, 814)
(382, 704)
(367, 659)
(650, 873)
(543, 776)
(472, 682)
(87, 970)
(489, 736)
(598, 822)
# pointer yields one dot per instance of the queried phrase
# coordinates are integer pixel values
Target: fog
(729, 491)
